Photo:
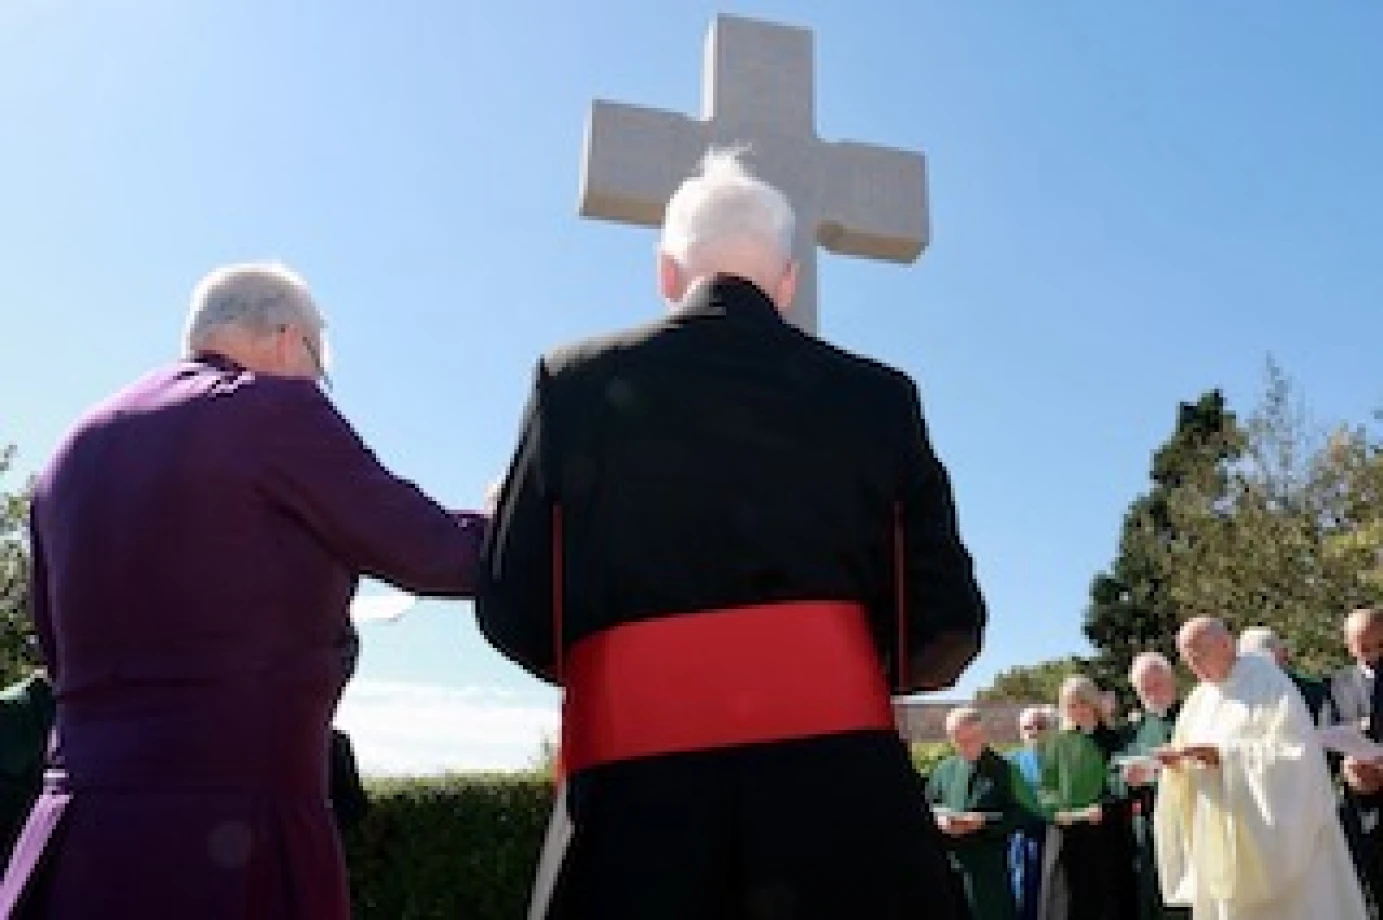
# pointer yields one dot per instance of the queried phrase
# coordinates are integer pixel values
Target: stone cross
(757, 90)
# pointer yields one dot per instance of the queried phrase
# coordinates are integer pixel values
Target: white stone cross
(757, 89)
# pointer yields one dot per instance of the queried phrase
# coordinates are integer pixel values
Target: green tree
(1133, 607)
(1291, 539)
(1036, 683)
(16, 655)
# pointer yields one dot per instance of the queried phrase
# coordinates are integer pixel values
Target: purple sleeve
(321, 472)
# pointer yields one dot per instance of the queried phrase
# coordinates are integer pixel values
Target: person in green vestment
(26, 718)
(980, 799)
(1080, 879)
(1134, 776)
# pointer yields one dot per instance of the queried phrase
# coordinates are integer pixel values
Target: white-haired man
(1154, 681)
(1244, 824)
(1356, 698)
(196, 541)
(1261, 640)
(980, 799)
(728, 541)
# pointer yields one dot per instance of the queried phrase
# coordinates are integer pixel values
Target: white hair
(723, 204)
(1144, 661)
(256, 297)
(962, 715)
(1042, 714)
(1260, 640)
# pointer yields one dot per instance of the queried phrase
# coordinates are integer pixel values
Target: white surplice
(1256, 838)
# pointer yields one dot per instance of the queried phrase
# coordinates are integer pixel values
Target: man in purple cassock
(196, 542)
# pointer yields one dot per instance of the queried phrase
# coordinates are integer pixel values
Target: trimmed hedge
(448, 847)
(927, 754)
(464, 845)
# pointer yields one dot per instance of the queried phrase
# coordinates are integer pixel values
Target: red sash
(719, 678)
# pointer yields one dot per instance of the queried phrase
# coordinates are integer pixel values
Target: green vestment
(1073, 772)
(995, 788)
(26, 717)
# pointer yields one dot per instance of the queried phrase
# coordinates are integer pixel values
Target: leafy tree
(16, 655)
(1271, 521)
(1291, 540)
(1133, 607)
(1036, 683)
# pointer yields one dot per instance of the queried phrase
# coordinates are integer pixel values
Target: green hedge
(464, 845)
(448, 847)
(927, 754)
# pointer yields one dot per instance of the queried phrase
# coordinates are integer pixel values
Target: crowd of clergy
(1219, 805)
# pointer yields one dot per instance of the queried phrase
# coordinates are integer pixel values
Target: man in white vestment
(1245, 824)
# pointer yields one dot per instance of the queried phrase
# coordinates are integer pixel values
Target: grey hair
(1145, 660)
(256, 297)
(1260, 640)
(726, 203)
(1079, 687)
(962, 715)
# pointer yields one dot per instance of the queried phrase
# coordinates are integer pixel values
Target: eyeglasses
(316, 356)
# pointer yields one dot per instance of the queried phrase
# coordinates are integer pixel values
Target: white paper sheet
(373, 607)
(1350, 741)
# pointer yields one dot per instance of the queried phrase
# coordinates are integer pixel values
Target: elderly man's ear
(786, 290)
(672, 281)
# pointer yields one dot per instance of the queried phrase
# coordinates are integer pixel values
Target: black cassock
(700, 539)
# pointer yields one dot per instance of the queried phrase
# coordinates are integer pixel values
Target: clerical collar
(219, 361)
(728, 295)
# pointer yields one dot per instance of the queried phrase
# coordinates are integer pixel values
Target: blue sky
(1131, 203)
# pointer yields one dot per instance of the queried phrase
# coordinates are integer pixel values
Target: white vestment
(1256, 838)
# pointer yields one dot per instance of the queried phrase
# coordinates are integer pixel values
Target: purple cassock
(196, 543)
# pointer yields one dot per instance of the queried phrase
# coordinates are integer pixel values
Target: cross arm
(634, 159)
(874, 203)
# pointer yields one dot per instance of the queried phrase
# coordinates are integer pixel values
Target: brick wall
(926, 721)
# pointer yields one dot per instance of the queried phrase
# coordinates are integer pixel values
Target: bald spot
(1147, 662)
(1200, 629)
(1362, 619)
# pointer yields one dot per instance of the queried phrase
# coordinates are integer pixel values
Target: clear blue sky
(1131, 203)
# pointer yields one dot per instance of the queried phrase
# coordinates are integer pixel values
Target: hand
(491, 503)
(958, 825)
(1361, 776)
(1207, 755)
(1138, 774)
(1089, 815)
(1168, 756)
